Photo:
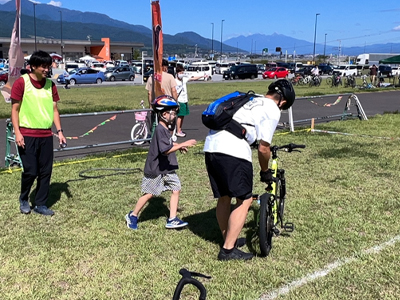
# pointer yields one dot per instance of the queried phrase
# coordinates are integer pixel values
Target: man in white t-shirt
(229, 161)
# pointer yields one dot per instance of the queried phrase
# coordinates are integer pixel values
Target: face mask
(180, 75)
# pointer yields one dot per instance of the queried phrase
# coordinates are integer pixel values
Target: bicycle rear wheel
(139, 132)
(329, 81)
(266, 225)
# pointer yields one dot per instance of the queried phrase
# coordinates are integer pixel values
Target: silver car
(120, 73)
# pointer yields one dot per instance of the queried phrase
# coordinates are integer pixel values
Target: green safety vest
(36, 110)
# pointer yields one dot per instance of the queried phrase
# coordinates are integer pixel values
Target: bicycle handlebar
(187, 279)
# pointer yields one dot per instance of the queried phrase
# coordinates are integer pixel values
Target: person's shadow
(154, 209)
(56, 189)
(205, 225)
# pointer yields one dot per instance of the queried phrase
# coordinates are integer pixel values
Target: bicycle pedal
(288, 227)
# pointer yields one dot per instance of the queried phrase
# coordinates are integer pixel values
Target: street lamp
(325, 46)
(315, 35)
(62, 46)
(212, 41)
(34, 21)
(222, 26)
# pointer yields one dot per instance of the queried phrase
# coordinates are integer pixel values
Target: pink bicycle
(140, 131)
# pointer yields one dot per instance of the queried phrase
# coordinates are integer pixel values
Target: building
(73, 49)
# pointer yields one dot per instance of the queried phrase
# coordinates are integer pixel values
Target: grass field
(343, 197)
(109, 98)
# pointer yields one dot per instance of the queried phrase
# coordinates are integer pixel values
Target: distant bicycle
(140, 131)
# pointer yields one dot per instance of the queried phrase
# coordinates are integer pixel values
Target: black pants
(37, 161)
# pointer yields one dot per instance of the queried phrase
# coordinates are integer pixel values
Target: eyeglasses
(172, 112)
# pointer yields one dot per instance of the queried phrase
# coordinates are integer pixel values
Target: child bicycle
(272, 203)
(139, 130)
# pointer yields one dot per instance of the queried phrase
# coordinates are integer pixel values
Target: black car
(241, 71)
(326, 69)
(385, 71)
(147, 74)
(305, 70)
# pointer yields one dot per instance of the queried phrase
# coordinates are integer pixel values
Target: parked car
(305, 70)
(82, 75)
(325, 69)
(3, 78)
(242, 71)
(261, 68)
(150, 72)
(385, 71)
(395, 71)
(120, 73)
(279, 72)
(99, 67)
(72, 66)
(346, 70)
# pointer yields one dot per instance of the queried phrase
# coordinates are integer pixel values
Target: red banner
(15, 55)
(157, 47)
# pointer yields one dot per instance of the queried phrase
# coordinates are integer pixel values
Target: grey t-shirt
(157, 162)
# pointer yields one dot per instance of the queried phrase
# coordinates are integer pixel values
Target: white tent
(86, 58)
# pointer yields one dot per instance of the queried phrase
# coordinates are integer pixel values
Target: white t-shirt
(181, 89)
(262, 116)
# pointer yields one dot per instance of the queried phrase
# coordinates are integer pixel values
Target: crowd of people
(228, 159)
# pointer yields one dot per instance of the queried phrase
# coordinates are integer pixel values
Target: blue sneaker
(175, 223)
(43, 210)
(131, 221)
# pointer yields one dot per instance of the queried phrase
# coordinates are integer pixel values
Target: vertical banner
(157, 47)
(15, 55)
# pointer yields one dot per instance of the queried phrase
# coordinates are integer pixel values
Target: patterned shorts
(155, 185)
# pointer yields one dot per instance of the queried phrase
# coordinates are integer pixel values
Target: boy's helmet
(285, 88)
(164, 102)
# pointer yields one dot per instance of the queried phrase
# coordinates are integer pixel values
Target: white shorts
(155, 185)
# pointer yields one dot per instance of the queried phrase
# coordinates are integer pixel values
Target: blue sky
(353, 23)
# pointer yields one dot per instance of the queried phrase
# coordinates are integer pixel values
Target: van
(196, 69)
(242, 71)
(346, 70)
(72, 66)
(220, 68)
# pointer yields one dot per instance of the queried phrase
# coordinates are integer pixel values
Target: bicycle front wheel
(139, 132)
(266, 225)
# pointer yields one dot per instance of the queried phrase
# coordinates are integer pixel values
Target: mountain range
(79, 25)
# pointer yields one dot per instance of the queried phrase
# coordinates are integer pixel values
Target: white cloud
(397, 28)
(55, 3)
(3, 1)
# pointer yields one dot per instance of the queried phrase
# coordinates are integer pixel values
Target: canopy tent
(391, 60)
(55, 56)
(87, 57)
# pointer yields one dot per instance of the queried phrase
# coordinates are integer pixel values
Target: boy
(34, 110)
(161, 163)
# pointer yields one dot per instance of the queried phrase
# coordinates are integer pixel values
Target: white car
(346, 70)
(99, 67)
(395, 71)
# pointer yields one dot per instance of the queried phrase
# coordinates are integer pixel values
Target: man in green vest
(34, 110)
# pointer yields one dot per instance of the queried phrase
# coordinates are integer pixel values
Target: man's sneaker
(43, 210)
(236, 254)
(24, 207)
(131, 221)
(175, 223)
(180, 134)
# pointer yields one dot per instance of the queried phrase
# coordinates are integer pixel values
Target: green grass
(109, 98)
(343, 197)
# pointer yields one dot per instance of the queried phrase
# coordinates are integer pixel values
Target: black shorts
(229, 175)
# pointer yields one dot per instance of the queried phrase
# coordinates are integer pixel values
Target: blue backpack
(219, 114)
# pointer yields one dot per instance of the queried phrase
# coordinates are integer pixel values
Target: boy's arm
(180, 146)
